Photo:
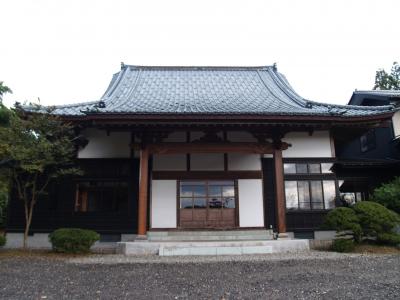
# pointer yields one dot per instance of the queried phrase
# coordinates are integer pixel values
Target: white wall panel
(101, 145)
(244, 162)
(304, 145)
(207, 162)
(170, 162)
(163, 204)
(251, 209)
(396, 123)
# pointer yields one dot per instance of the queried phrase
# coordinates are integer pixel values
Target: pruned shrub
(343, 245)
(365, 220)
(3, 240)
(344, 219)
(388, 194)
(377, 221)
(73, 240)
(389, 238)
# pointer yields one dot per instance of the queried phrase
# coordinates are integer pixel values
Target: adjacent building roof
(375, 97)
(140, 90)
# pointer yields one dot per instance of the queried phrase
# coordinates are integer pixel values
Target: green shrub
(343, 245)
(389, 238)
(73, 240)
(2, 240)
(377, 221)
(344, 219)
(388, 195)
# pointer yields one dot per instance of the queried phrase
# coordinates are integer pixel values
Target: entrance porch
(209, 192)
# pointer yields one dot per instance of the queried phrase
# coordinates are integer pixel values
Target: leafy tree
(4, 112)
(35, 148)
(388, 81)
(3, 90)
(4, 182)
(388, 194)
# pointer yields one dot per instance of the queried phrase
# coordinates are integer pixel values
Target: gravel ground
(311, 275)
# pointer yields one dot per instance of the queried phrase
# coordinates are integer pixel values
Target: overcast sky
(66, 51)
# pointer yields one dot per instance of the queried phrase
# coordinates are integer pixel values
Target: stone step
(218, 250)
(171, 248)
(211, 238)
(209, 233)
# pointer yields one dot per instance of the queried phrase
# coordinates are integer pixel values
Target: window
(101, 196)
(207, 194)
(310, 194)
(368, 141)
(309, 186)
(307, 168)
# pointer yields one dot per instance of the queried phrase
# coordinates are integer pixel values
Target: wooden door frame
(178, 204)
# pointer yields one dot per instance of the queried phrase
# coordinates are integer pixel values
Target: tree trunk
(28, 220)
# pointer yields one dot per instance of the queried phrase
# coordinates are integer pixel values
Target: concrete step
(217, 250)
(171, 248)
(211, 238)
(209, 235)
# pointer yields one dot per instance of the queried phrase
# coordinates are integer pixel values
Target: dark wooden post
(280, 193)
(143, 194)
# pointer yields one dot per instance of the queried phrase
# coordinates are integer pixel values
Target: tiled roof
(207, 90)
(387, 93)
(375, 97)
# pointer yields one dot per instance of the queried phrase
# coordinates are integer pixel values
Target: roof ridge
(198, 68)
(73, 104)
(356, 107)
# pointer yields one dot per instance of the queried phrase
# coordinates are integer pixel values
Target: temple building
(205, 149)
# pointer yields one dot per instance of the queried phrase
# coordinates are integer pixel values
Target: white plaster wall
(207, 162)
(163, 204)
(251, 209)
(101, 145)
(396, 123)
(170, 162)
(244, 162)
(304, 145)
(240, 136)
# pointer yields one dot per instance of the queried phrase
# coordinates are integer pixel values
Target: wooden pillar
(143, 193)
(280, 192)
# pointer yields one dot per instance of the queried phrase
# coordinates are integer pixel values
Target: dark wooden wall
(385, 147)
(269, 192)
(56, 209)
(295, 220)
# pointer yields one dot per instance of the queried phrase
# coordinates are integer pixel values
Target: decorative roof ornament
(275, 67)
(122, 65)
(101, 104)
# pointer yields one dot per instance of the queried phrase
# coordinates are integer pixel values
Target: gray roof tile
(207, 90)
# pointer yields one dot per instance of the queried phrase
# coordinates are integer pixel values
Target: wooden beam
(224, 147)
(143, 193)
(280, 192)
(207, 175)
